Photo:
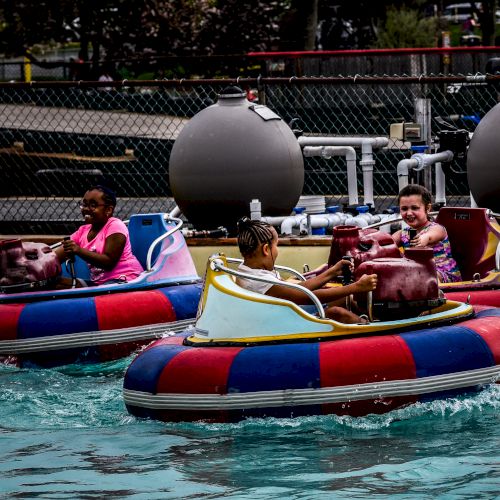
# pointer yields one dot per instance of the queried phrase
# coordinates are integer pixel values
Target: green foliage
(404, 27)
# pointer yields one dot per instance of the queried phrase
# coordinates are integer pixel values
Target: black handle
(346, 271)
(71, 258)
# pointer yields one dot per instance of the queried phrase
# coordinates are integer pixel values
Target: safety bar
(217, 265)
(179, 224)
(290, 270)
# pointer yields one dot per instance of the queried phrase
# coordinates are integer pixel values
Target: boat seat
(143, 230)
(473, 239)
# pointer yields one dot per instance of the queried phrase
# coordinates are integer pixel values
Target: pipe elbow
(404, 165)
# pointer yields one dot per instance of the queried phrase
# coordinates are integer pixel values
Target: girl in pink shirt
(103, 242)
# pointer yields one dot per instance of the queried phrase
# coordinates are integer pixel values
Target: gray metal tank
(483, 161)
(230, 153)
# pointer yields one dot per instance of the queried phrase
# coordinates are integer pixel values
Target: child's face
(94, 208)
(413, 211)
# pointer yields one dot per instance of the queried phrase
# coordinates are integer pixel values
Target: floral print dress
(446, 266)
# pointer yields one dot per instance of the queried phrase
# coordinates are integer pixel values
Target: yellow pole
(27, 69)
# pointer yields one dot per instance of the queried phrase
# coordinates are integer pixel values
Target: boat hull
(93, 328)
(172, 381)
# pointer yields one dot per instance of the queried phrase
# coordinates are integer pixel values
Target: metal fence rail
(57, 138)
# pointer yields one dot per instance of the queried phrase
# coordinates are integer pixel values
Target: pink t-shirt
(128, 266)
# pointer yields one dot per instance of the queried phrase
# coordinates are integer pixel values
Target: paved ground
(61, 215)
(81, 121)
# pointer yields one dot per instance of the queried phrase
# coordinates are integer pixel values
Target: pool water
(65, 433)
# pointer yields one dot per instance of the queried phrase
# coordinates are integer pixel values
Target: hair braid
(251, 234)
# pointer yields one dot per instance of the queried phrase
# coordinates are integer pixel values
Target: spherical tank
(230, 153)
(483, 164)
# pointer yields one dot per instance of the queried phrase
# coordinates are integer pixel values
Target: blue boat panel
(184, 299)
(267, 368)
(58, 317)
(448, 349)
(145, 370)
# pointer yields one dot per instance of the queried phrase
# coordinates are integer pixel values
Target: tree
(404, 27)
(298, 26)
(234, 27)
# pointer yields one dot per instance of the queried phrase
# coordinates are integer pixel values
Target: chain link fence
(58, 138)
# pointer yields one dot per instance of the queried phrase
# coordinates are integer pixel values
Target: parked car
(456, 13)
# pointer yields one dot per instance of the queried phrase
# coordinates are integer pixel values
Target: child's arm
(397, 237)
(433, 235)
(113, 249)
(366, 283)
(326, 276)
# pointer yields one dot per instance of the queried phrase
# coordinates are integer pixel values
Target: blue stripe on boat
(184, 299)
(448, 349)
(58, 317)
(267, 368)
(144, 372)
(488, 313)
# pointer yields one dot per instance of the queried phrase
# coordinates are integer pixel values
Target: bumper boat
(251, 355)
(474, 236)
(47, 327)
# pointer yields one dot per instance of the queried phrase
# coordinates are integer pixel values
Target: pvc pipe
(426, 160)
(473, 203)
(350, 156)
(402, 171)
(367, 161)
(329, 221)
(175, 212)
(419, 161)
(375, 142)
(440, 196)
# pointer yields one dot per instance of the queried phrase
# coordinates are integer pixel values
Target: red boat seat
(473, 238)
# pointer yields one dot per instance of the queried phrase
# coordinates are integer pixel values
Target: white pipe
(275, 221)
(367, 161)
(419, 161)
(175, 212)
(350, 156)
(473, 203)
(440, 196)
(329, 221)
(289, 223)
(426, 160)
(403, 169)
(376, 142)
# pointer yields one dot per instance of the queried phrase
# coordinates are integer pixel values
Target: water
(65, 433)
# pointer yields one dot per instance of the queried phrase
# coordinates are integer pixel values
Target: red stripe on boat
(9, 319)
(198, 371)
(485, 297)
(123, 310)
(370, 359)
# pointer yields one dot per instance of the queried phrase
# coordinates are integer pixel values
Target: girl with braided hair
(258, 244)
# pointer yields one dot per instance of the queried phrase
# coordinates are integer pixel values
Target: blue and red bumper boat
(252, 355)
(47, 327)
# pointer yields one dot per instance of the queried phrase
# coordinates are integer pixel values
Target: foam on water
(65, 433)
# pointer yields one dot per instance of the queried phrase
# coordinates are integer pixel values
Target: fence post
(27, 69)
(423, 116)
